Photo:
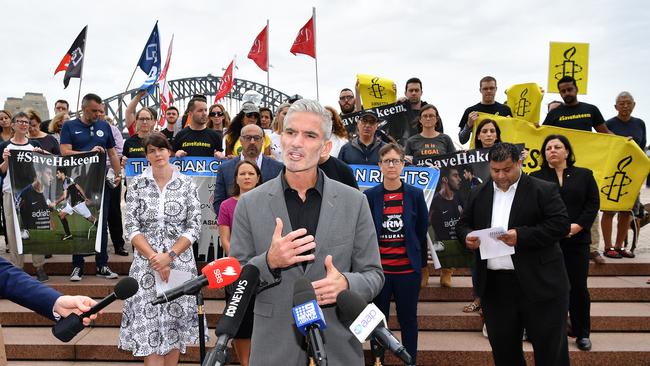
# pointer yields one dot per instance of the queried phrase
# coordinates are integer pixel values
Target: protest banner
(57, 201)
(395, 116)
(620, 167)
(525, 101)
(375, 91)
(368, 176)
(568, 59)
(203, 171)
(459, 172)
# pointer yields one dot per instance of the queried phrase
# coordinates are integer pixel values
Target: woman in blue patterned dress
(163, 219)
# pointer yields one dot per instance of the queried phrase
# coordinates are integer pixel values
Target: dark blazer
(226, 177)
(540, 219)
(415, 218)
(19, 287)
(580, 194)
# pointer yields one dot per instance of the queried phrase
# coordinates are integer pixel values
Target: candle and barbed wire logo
(376, 89)
(523, 105)
(569, 67)
(617, 181)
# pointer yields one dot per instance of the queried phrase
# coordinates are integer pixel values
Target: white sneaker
(76, 274)
(484, 331)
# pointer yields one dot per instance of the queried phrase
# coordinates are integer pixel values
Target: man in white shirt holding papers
(530, 288)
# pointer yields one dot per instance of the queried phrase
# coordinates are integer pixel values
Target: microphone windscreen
(303, 291)
(235, 310)
(348, 306)
(126, 288)
(221, 272)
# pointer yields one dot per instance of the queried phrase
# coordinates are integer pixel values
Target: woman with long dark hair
(581, 197)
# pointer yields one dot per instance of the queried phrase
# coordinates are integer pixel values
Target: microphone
(309, 318)
(216, 274)
(68, 327)
(233, 314)
(366, 320)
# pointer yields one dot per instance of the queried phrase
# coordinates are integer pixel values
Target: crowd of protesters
(249, 146)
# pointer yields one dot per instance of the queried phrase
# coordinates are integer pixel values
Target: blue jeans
(405, 289)
(101, 258)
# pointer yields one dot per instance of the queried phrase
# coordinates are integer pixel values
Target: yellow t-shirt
(237, 148)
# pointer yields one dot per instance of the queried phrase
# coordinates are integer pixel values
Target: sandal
(474, 306)
(612, 253)
(625, 253)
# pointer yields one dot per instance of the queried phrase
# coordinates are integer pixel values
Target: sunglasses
(217, 114)
(251, 138)
(253, 114)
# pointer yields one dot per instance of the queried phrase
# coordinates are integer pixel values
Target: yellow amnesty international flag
(375, 91)
(619, 165)
(525, 101)
(568, 59)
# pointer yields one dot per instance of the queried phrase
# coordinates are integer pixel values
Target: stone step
(601, 288)
(60, 265)
(434, 348)
(444, 316)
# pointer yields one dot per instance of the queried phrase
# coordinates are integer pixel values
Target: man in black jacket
(530, 288)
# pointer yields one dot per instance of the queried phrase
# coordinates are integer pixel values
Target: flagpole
(81, 74)
(315, 54)
(268, 64)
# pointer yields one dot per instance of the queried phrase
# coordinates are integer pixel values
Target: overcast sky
(450, 45)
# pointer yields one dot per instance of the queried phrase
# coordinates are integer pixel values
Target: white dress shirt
(501, 205)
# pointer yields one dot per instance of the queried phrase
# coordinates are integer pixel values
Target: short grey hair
(624, 94)
(312, 106)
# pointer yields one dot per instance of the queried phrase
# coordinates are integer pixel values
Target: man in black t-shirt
(32, 202)
(488, 89)
(196, 139)
(171, 116)
(574, 114)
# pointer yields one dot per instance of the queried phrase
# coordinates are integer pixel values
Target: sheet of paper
(491, 247)
(176, 278)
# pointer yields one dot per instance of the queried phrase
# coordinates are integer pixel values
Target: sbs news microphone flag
(259, 52)
(227, 81)
(73, 60)
(166, 96)
(305, 40)
(150, 61)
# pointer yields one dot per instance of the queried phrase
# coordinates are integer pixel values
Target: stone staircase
(620, 321)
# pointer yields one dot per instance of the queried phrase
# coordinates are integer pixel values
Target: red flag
(166, 96)
(75, 55)
(259, 52)
(305, 41)
(226, 83)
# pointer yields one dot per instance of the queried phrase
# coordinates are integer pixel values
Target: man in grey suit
(304, 224)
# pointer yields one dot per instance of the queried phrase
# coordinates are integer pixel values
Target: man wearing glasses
(196, 139)
(346, 101)
(488, 89)
(363, 149)
(252, 140)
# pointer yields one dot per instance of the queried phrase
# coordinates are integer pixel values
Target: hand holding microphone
(70, 326)
(216, 274)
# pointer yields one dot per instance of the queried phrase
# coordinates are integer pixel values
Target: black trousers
(576, 260)
(115, 217)
(507, 312)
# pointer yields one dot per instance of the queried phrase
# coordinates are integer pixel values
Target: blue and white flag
(150, 61)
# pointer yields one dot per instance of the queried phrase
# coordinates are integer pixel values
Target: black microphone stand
(201, 311)
(316, 349)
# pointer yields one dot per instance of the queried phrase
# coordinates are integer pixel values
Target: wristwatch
(172, 254)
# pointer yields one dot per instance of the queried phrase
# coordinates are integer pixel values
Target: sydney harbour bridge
(184, 89)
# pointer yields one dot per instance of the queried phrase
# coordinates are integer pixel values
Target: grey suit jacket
(345, 230)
